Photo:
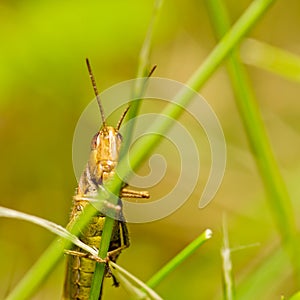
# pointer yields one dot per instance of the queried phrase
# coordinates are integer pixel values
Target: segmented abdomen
(80, 269)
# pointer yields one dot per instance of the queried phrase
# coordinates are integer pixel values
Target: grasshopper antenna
(127, 108)
(122, 117)
(96, 91)
(152, 71)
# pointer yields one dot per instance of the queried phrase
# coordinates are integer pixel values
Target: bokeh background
(44, 87)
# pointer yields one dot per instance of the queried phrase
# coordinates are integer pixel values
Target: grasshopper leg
(128, 193)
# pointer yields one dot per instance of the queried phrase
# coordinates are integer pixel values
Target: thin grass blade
(278, 197)
(179, 258)
(271, 59)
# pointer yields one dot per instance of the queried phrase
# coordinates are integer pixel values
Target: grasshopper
(104, 155)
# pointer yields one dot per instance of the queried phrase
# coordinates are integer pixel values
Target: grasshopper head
(106, 146)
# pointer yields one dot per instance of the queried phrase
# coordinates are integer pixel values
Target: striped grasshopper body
(104, 155)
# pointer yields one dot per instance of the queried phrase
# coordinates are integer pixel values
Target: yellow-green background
(44, 88)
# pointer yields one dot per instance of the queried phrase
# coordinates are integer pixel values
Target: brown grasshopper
(104, 155)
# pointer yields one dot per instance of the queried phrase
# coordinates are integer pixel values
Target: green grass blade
(100, 267)
(143, 71)
(145, 51)
(52, 227)
(50, 258)
(134, 107)
(279, 200)
(228, 284)
(271, 59)
(147, 143)
(259, 280)
(250, 17)
(295, 297)
(179, 258)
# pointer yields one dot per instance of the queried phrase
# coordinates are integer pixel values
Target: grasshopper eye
(94, 141)
(120, 136)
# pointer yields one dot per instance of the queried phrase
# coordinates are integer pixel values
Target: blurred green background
(44, 87)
